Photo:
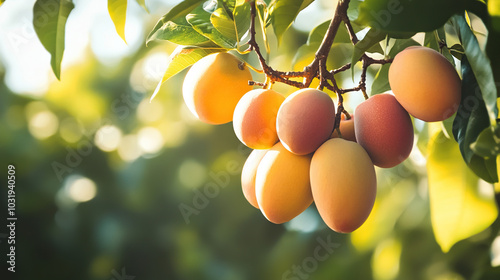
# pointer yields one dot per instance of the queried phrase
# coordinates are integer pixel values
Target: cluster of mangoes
(298, 158)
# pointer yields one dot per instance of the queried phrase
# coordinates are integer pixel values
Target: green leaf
(317, 33)
(180, 32)
(264, 20)
(284, 12)
(433, 39)
(49, 21)
(471, 119)
(223, 22)
(1, 2)
(480, 65)
(381, 81)
(199, 19)
(371, 38)
(339, 55)
(303, 56)
(241, 15)
(142, 3)
(460, 205)
(353, 10)
(457, 51)
(181, 10)
(182, 58)
(408, 16)
(118, 12)
(487, 144)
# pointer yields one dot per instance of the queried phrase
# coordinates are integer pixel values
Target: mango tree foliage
(459, 157)
(118, 12)
(49, 21)
(461, 205)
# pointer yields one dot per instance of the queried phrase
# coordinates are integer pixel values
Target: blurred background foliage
(102, 173)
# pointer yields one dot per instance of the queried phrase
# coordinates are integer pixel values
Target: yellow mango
(254, 119)
(214, 85)
(343, 184)
(248, 176)
(282, 184)
(425, 83)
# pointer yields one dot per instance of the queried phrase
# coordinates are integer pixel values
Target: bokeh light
(43, 124)
(81, 190)
(108, 138)
(150, 140)
(129, 149)
(192, 173)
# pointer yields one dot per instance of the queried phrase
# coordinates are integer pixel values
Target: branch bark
(317, 68)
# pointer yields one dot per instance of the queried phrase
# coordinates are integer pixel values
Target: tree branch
(317, 68)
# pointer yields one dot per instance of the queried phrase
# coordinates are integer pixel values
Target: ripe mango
(214, 85)
(282, 184)
(343, 184)
(305, 120)
(254, 119)
(384, 129)
(425, 83)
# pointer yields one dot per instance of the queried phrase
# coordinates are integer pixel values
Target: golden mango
(248, 174)
(343, 184)
(282, 184)
(425, 83)
(254, 119)
(346, 129)
(214, 85)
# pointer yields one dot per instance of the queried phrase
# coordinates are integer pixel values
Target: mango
(425, 83)
(384, 129)
(214, 85)
(282, 184)
(305, 120)
(254, 119)
(343, 184)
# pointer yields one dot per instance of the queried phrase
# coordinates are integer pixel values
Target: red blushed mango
(248, 176)
(214, 85)
(305, 120)
(282, 184)
(384, 129)
(425, 83)
(346, 129)
(343, 184)
(254, 119)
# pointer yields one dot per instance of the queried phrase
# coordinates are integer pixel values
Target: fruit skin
(425, 83)
(305, 120)
(282, 184)
(248, 176)
(343, 184)
(254, 119)
(214, 85)
(384, 129)
(346, 129)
